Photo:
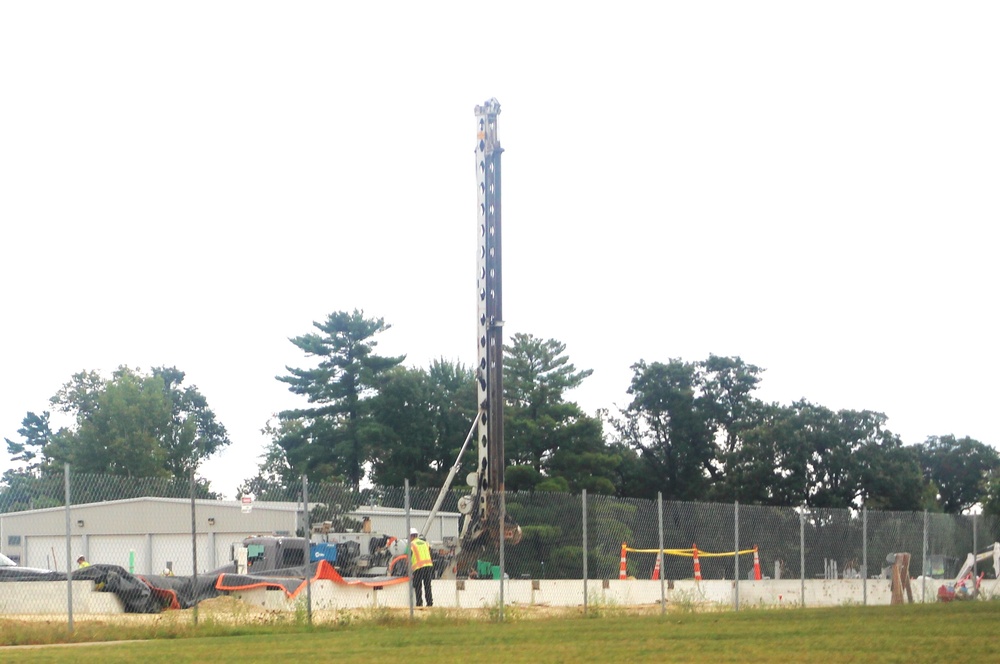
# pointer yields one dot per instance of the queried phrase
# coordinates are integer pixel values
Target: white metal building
(148, 535)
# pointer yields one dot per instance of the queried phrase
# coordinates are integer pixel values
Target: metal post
(736, 555)
(585, 569)
(503, 517)
(194, 550)
(69, 551)
(975, 552)
(661, 561)
(864, 555)
(305, 510)
(926, 567)
(802, 555)
(409, 552)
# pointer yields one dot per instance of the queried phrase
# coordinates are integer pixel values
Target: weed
(683, 601)
(601, 606)
(497, 612)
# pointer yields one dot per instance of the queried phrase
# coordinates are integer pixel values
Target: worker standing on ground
(422, 567)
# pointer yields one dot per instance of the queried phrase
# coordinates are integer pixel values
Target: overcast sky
(810, 186)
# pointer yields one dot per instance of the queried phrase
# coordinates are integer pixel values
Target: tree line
(693, 431)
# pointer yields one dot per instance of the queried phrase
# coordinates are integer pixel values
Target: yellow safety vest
(420, 554)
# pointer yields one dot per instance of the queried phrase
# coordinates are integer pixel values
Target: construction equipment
(351, 554)
(483, 509)
(485, 520)
(966, 584)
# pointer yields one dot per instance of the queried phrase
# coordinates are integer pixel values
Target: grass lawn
(957, 632)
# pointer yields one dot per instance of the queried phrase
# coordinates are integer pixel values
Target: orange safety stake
(756, 564)
(656, 569)
(622, 573)
(697, 563)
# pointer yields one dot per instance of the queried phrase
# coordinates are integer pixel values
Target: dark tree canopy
(960, 469)
(339, 432)
(544, 431)
(135, 424)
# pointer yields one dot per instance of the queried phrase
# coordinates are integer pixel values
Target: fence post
(194, 550)
(69, 551)
(923, 563)
(736, 555)
(586, 571)
(864, 555)
(503, 545)
(409, 553)
(660, 561)
(308, 561)
(975, 552)
(802, 555)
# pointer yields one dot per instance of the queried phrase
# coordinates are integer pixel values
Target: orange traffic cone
(756, 565)
(697, 563)
(622, 572)
(656, 569)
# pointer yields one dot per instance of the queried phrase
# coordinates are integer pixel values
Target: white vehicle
(10, 566)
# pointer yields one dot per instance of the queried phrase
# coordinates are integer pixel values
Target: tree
(275, 478)
(806, 454)
(135, 424)
(669, 427)
(959, 467)
(727, 386)
(195, 433)
(339, 433)
(425, 416)
(541, 428)
(37, 434)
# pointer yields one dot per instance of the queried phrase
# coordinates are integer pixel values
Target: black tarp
(138, 594)
(154, 593)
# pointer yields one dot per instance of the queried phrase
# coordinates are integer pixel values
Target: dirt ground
(229, 610)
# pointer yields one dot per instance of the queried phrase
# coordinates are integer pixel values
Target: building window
(13, 540)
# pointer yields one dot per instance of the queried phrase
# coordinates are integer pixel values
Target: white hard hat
(414, 531)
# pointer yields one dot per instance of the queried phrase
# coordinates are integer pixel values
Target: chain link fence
(154, 544)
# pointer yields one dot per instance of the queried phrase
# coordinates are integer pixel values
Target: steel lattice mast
(489, 368)
(483, 506)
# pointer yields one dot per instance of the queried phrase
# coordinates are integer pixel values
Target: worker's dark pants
(422, 578)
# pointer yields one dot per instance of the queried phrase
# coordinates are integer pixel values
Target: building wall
(144, 533)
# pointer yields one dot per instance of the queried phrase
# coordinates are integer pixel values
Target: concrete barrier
(475, 594)
(49, 598)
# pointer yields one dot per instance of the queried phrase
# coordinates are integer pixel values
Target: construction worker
(422, 567)
(82, 562)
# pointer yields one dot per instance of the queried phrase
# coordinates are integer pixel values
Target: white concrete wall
(49, 598)
(472, 594)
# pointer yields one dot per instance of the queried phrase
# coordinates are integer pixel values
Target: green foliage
(558, 484)
(134, 425)
(991, 498)
(671, 424)
(425, 416)
(543, 430)
(338, 435)
(521, 478)
(960, 469)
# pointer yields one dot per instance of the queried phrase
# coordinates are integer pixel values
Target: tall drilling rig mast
(483, 508)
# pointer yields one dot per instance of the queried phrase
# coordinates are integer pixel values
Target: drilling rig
(483, 508)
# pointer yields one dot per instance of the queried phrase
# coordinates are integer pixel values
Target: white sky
(810, 186)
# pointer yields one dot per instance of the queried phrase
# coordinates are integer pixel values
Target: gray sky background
(810, 186)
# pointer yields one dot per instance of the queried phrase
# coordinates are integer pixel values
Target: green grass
(958, 632)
